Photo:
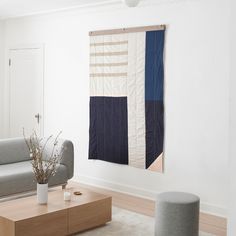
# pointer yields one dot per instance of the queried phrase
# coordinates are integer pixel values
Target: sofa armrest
(67, 154)
(68, 157)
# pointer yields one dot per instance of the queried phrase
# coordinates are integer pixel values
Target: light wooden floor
(208, 223)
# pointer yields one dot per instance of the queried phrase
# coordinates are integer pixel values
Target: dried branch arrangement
(44, 165)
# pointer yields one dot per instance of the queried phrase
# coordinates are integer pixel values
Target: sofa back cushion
(13, 150)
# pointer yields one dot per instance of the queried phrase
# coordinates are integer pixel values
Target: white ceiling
(12, 8)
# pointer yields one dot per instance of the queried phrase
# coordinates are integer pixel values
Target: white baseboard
(140, 192)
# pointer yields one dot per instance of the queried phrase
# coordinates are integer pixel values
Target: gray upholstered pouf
(177, 214)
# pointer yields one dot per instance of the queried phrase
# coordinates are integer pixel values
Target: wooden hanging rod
(128, 30)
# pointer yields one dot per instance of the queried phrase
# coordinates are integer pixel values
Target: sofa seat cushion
(18, 177)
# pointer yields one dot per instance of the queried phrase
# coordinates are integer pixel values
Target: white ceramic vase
(42, 193)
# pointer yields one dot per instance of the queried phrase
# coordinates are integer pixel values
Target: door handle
(37, 116)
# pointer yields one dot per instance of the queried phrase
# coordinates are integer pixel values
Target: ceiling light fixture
(131, 3)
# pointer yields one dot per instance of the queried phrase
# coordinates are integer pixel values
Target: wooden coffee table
(24, 217)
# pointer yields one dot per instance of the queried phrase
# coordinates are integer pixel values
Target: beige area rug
(127, 223)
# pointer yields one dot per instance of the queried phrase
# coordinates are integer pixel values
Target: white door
(25, 91)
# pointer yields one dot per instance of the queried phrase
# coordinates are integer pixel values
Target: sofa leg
(64, 186)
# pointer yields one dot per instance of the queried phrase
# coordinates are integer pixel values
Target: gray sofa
(16, 174)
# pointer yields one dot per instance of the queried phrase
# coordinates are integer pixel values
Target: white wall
(196, 92)
(232, 134)
(1, 76)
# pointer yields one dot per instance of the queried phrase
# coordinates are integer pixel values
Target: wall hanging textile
(126, 96)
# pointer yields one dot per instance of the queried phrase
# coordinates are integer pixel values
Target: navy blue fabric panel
(154, 130)
(108, 131)
(154, 69)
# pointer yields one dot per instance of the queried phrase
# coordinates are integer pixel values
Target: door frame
(7, 103)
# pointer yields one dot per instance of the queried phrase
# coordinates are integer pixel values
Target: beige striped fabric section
(108, 65)
(108, 43)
